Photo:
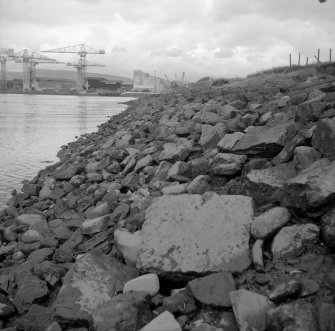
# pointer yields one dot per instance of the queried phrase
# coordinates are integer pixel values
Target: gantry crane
(5, 55)
(29, 60)
(82, 64)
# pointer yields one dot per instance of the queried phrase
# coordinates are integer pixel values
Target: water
(33, 127)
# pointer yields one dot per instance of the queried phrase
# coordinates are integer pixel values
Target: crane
(82, 50)
(5, 55)
(29, 60)
(81, 66)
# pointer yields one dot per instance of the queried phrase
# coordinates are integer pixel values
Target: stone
(49, 271)
(291, 316)
(5, 310)
(174, 189)
(30, 188)
(180, 168)
(148, 283)
(201, 234)
(89, 285)
(32, 220)
(8, 249)
(144, 162)
(96, 240)
(257, 255)
(40, 255)
(174, 152)
(227, 164)
(163, 322)
(250, 309)
(199, 185)
(328, 229)
(324, 138)
(311, 188)
(178, 303)
(298, 98)
(211, 135)
(326, 316)
(129, 244)
(128, 312)
(227, 111)
(284, 290)
(283, 101)
(304, 156)
(213, 289)
(269, 222)
(54, 326)
(9, 233)
(228, 322)
(310, 110)
(38, 318)
(308, 287)
(67, 171)
(30, 290)
(290, 241)
(31, 236)
(229, 140)
(95, 225)
(98, 211)
(266, 141)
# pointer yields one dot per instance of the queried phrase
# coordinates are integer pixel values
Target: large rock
(227, 164)
(211, 135)
(229, 141)
(176, 151)
(38, 319)
(324, 138)
(305, 156)
(91, 282)
(312, 187)
(213, 289)
(163, 322)
(195, 233)
(266, 141)
(292, 240)
(328, 229)
(250, 309)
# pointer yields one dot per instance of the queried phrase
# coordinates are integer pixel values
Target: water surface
(34, 127)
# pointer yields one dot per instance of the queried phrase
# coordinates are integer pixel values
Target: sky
(216, 38)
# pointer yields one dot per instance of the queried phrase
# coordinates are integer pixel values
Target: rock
(144, 162)
(38, 318)
(229, 141)
(174, 189)
(98, 211)
(291, 316)
(288, 289)
(201, 234)
(257, 255)
(305, 156)
(324, 138)
(88, 286)
(176, 151)
(178, 303)
(9, 233)
(163, 322)
(129, 311)
(5, 310)
(228, 322)
(208, 117)
(310, 110)
(326, 316)
(269, 222)
(250, 309)
(40, 255)
(49, 271)
(298, 98)
(227, 112)
(211, 135)
(328, 229)
(30, 290)
(266, 141)
(30, 188)
(199, 185)
(292, 240)
(308, 287)
(213, 289)
(312, 187)
(8, 249)
(34, 221)
(54, 326)
(95, 225)
(227, 164)
(283, 101)
(148, 283)
(67, 171)
(180, 168)
(31, 236)
(129, 244)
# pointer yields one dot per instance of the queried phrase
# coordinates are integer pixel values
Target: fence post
(290, 60)
(307, 61)
(299, 60)
(330, 55)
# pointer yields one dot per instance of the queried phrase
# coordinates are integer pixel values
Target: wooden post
(307, 61)
(299, 60)
(318, 57)
(290, 59)
(330, 55)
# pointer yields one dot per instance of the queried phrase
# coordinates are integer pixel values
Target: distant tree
(322, 1)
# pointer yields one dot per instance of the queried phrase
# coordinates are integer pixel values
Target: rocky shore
(207, 209)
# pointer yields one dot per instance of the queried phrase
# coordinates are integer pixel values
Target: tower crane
(29, 60)
(5, 55)
(82, 50)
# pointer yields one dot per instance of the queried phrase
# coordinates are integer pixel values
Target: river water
(34, 127)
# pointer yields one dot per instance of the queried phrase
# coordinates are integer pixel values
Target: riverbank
(207, 209)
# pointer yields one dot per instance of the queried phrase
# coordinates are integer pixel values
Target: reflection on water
(33, 127)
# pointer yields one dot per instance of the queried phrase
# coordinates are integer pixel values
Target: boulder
(328, 229)
(310, 110)
(311, 188)
(164, 322)
(227, 164)
(176, 151)
(100, 210)
(290, 241)
(148, 283)
(229, 140)
(195, 233)
(324, 138)
(211, 135)
(304, 156)
(199, 185)
(95, 225)
(38, 318)
(213, 289)
(90, 284)
(269, 222)
(250, 309)
(144, 162)
(266, 141)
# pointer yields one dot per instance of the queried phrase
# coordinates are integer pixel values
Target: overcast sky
(218, 38)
